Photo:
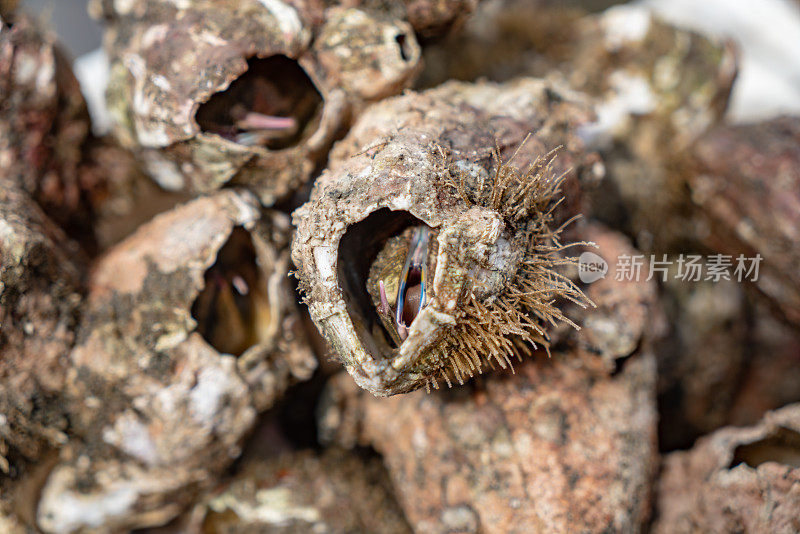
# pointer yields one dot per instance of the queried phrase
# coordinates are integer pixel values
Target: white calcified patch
(6, 231)
(630, 95)
(152, 137)
(247, 209)
(402, 202)
(130, 435)
(45, 75)
(64, 511)
(633, 92)
(123, 7)
(625, 24)
(181, 4)
(213, 385)
(165, 399)
(272, 506)
(92, 72)
(325, 261)
(154, 34)
(25, 69)
(161, 82)
(324, 310)
(213, 40)
(149, 133)
(499, 257)
(165, 172)
(287, 17)
(171, 340)
(472, 172)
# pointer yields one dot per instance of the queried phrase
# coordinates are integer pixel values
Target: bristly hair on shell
(513, 323)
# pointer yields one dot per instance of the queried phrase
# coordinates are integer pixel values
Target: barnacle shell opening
(233, 311)
(211, 274)
(363, 260)
(399, 281)
(274, 104)
(209, 94)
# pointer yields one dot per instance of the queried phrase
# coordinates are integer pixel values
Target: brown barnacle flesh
(274, 104)
(399, 281)
(233, 311)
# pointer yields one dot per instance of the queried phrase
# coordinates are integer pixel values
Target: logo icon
(591, 267)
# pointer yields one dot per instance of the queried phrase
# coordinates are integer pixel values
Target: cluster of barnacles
(429, 236)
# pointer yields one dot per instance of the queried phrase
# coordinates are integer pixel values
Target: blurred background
(769, 38)
(78, 32)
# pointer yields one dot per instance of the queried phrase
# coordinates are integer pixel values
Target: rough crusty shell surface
(156, 409)
(403, 161)
(168, 59)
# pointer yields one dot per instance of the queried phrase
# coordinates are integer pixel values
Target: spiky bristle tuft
(514, 323)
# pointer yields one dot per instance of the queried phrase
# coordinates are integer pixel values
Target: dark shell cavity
(358, 251)
(406, 52)
(274, 104)
(233, 309)
(782, 446)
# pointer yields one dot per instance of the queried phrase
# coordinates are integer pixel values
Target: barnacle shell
(739, 477)
(184, 73)
(170, 407)
(300, 491)
(44, 120)
(86, 185)
(40, 291)
(162, 273)
(427, 158)
(751, 208)
(368, 54)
